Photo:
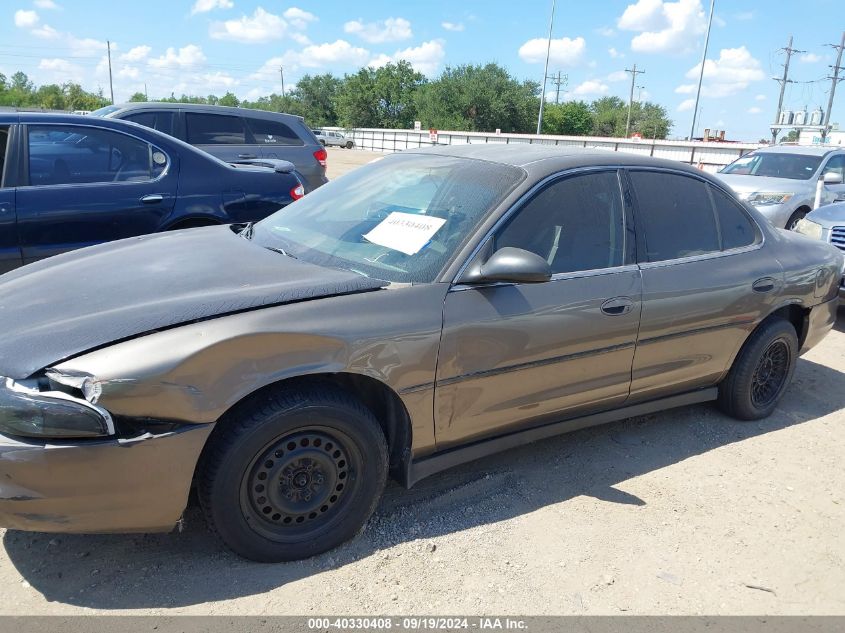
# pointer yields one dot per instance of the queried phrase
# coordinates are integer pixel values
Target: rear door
(86, 185)
(706, 282)
(223, 135)
(10, 251)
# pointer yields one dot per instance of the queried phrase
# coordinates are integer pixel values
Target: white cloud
(389, 30)
(564, 51)
(204, 6)
(614, 54)
(664, 27)
(25, 19)
(810, 58)
(46, 32)
(136, 54)
(591, 87)
(261, 26)
(686, 105)
(452, 26)
(298, 18)
(425, 58)
(128, 72)
(760, 98)
(619, 75)
(754, 110)
(733, 72)
(57, 64)
(337, 53)
(605, 31)
(187, 56)
(87, 46)
(45, 4)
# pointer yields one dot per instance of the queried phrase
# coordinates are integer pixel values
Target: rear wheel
(762, 371)
(293, 474)
(349, 144)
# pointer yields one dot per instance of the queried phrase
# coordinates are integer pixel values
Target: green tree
(478, 98)
(382, 97)
(572, 118)
(51, 96)
(229, 99)
(610, 115)
(138, 97)
(317, 95)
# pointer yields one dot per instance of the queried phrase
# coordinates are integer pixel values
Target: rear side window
(676, 214)
(161, 121)
(736, 227)
(267, 132)
(215, 129)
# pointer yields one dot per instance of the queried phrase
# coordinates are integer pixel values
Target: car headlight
(28, 412)
(808, 228)
(760, 198)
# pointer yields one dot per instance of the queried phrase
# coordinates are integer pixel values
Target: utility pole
(146, 95)
(834, 80)
(546, 69)
(634, 72)
(785, 80)
(111, 85)
(558, 81)
(282, 73)
(701, 73)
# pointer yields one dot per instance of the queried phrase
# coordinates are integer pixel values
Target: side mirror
(508, 264)
(832, 178)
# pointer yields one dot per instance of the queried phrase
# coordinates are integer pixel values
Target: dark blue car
(72, 181)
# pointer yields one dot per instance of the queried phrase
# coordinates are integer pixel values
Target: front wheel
(349, 144)
(293, 474)
(794, 219)
(761, 372)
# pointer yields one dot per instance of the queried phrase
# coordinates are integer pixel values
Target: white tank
(785, 117)
(816, 116)
(800, 117)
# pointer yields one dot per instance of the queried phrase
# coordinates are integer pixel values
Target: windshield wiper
(246, 232)
(276, 249)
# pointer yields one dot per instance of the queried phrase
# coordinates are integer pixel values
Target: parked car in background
(233, 134)
(780, 181)
(72, 181)
(332, 138)
(427, 309)
(828, 225)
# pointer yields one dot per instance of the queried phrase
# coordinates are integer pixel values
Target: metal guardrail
(709, 156)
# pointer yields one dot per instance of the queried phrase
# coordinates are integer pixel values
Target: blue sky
(202, 46)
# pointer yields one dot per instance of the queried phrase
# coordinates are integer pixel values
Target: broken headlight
(28, 412)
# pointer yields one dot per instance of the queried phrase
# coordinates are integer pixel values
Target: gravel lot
(683, 512)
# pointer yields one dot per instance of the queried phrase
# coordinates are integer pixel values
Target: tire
(292, 474)
(322, 142)
(349, 144)
(761, 372)
(795, 218)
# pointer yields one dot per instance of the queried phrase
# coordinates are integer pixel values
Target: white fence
(708, 156)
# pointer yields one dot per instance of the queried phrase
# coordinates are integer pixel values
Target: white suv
(327, 137)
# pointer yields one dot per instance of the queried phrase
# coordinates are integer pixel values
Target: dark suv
(233, 134)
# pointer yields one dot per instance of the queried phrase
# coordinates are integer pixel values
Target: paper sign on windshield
(405, 232)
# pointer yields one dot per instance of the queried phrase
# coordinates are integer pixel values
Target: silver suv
(781, 181)
(329, 138)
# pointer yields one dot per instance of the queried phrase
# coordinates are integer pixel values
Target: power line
(558, 80)
(789, 53)
(634, 72)
(834, 80)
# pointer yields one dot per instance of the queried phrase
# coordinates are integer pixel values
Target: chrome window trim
(152, 146)
(579, 274)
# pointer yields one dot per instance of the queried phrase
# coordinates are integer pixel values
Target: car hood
(66, 305)
(829, 215)
(741, 183)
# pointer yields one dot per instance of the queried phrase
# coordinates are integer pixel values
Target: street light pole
(701, 73)
(546, 69)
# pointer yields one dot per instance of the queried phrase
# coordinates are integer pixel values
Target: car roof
(544, 157)
(197, 107)
(809, 150)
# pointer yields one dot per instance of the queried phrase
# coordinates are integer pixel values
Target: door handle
(247, 156)
(4, 208)
(152, 198)
(766, 284)
(617, 306)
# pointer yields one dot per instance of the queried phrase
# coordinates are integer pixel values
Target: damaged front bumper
(63, 469)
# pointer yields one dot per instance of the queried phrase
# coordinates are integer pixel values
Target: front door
(10, 251)
(89, 185)
(514, 355)
(836, 165)
(706, 282)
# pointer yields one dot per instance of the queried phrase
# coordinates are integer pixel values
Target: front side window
(401, 218)
(267, 132)
(215, 129)
(836, 165)
(775, 165)
(574, 224)
(68, 154)
(676, 215)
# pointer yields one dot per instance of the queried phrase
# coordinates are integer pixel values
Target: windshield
(105, 111)
(399, 219)
(775, 165)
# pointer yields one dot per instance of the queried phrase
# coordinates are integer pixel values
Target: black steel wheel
(292, 474)
(761, 372)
